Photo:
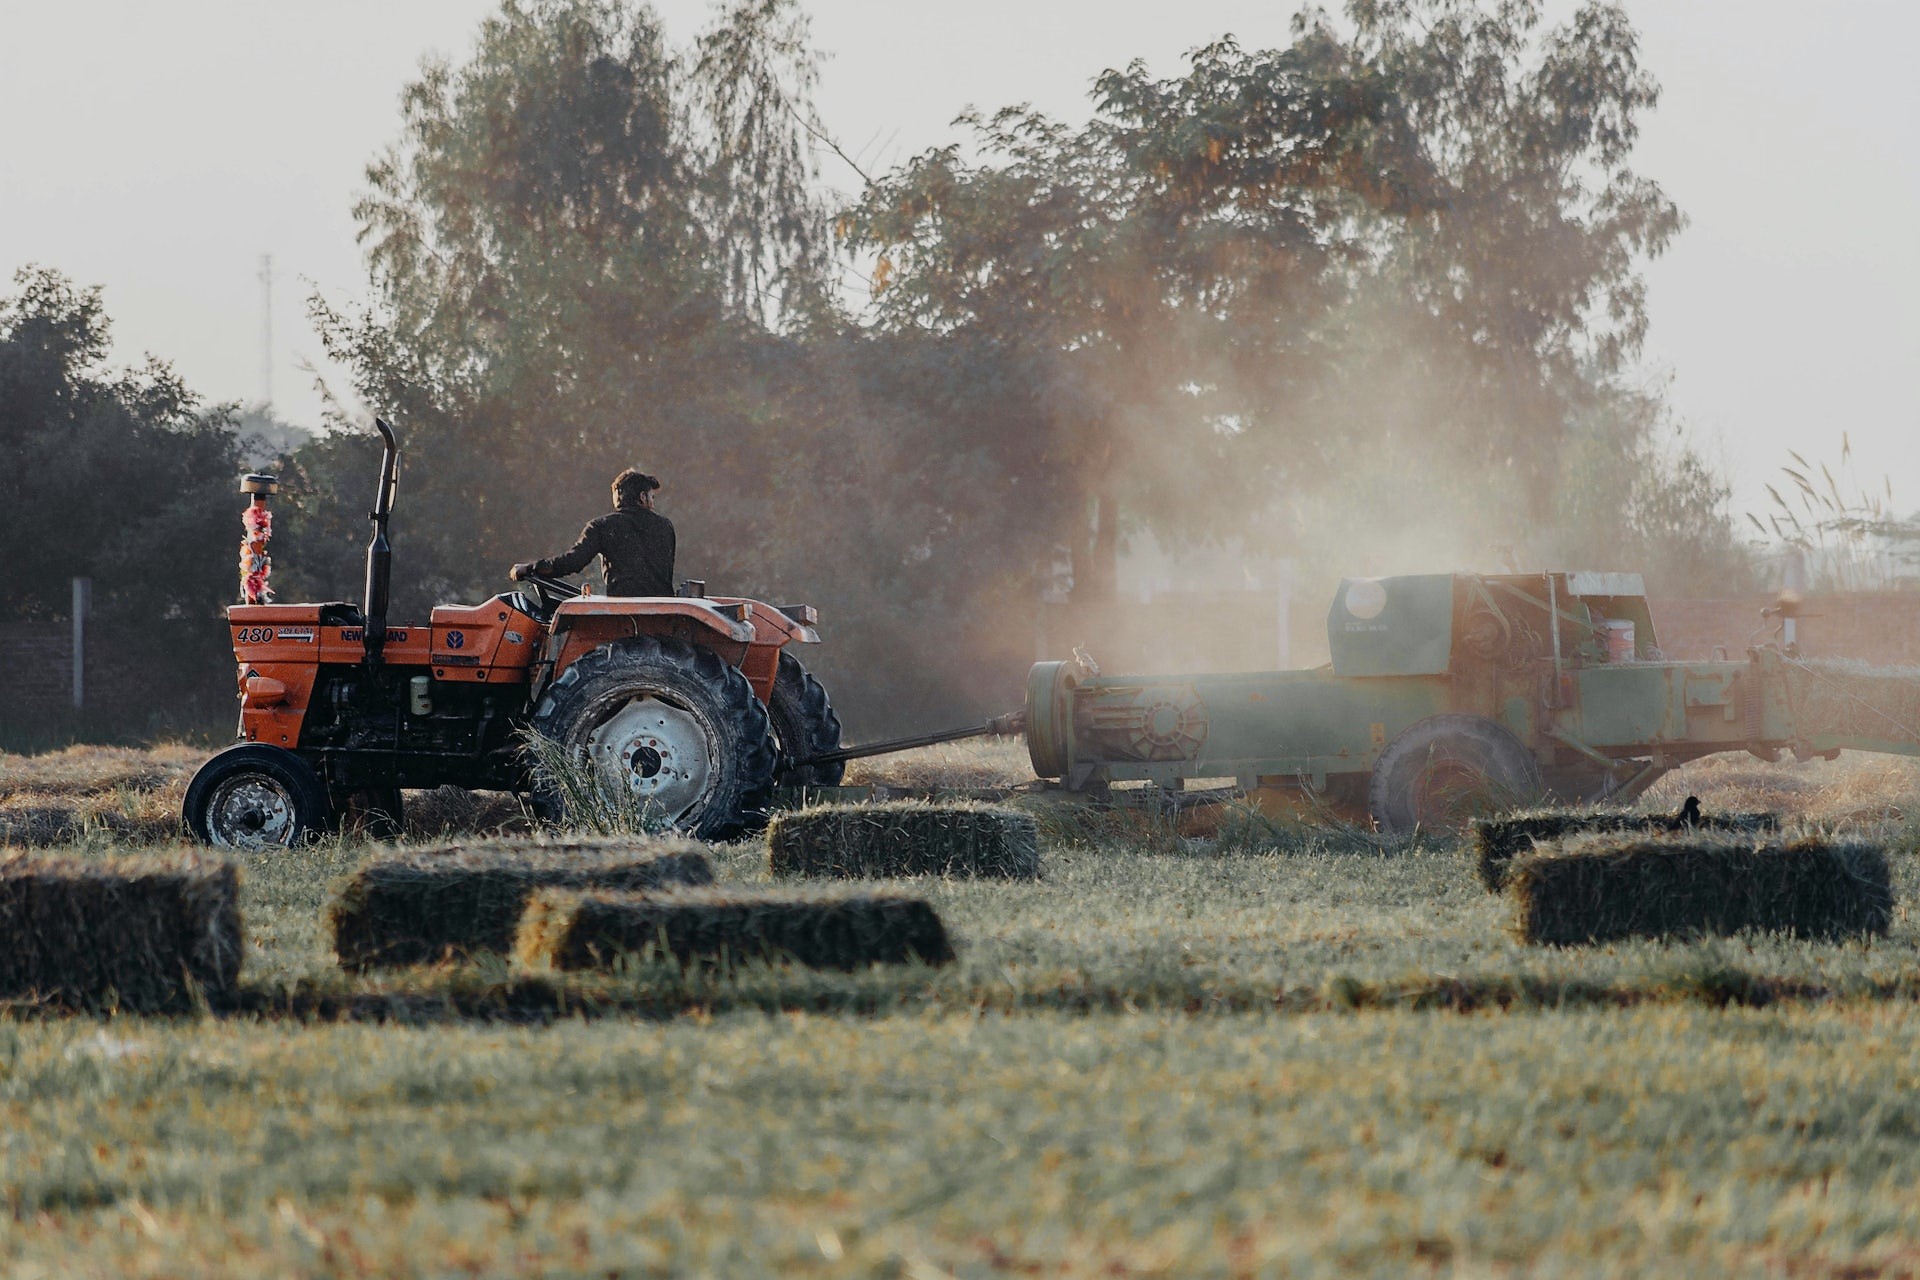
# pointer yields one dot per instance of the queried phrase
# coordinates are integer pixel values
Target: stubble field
(1277, 1050)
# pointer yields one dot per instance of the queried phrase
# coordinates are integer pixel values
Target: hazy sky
(158, 149)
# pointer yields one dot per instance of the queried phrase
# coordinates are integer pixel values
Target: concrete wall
(131, 675)
(38, 661)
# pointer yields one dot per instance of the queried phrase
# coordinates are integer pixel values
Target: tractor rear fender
(772, 626)
(773, 630)
(578, 627)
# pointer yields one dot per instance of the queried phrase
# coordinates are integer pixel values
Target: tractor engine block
(365, 732)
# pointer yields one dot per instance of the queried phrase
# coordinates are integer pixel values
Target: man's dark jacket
(637, 545)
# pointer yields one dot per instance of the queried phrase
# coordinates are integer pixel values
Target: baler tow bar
(1009, 725)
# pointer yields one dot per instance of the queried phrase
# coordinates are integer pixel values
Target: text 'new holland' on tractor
(693, 704)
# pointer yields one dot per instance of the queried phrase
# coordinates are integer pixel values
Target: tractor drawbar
(1006, 726)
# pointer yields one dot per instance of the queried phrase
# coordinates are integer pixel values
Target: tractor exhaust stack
(379, 551)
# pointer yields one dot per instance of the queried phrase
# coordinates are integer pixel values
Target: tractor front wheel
(1445, 770)
(667, 731)
(804, 724)
(254, 796)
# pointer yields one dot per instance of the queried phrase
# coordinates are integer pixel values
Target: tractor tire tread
(739, 804)
(801, 709)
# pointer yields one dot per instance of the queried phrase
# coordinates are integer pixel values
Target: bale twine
(145, 935)
(1602, 887)
(723, 927)
(460, 902)
(904, 838)
(1498, 841)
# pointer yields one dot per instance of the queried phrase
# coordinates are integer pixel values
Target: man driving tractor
(635, 542)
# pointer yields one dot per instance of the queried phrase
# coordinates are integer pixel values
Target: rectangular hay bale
(1498, 841)
(904, 838)
(461, 902)
(1604, 887)
(145, 935)
(844, 931)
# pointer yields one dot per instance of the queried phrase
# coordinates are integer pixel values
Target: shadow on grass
(495, 995)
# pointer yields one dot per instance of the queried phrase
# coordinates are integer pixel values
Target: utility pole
(266, 329)
(82, 605)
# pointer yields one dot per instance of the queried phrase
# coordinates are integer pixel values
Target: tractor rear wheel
(803, 725)
(254, 796)
(1445, 770)
(667, 729)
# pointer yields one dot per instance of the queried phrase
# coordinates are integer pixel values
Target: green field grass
(1675, 1140)
(1280, 1051)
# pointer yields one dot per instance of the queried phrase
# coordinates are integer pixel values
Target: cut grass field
(1278, 1051)
(1674, 1141)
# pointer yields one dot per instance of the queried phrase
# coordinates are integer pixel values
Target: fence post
(82, 603)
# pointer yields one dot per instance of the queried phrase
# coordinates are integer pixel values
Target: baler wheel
(255, 796)
(804, 724)
(1445, 770)
(673, 723)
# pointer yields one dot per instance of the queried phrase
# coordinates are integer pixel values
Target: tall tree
(1367, 289)
(578, 227)
(591, 250)
(1520, 275)
(1156, 270)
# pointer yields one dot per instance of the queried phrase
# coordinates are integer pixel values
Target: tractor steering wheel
(550, 591)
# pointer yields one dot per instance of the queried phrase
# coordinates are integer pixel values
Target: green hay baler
(1450, 695)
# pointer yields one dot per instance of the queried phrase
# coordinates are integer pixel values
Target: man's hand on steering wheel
(520, 571)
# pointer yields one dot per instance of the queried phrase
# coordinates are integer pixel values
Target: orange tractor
(694, 705)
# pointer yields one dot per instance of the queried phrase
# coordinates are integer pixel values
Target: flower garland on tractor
(257, 521)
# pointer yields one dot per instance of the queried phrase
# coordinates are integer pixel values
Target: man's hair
(630, 484)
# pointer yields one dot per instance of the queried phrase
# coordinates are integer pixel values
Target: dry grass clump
(86, 770)
(1857, 788)
(1599, 888)
(1498, 841)
(972, 763)
(62, 796)
(37, 819)
(461, 902)
(139, 934)
(455, 810)
(904, 838)
(725, 927)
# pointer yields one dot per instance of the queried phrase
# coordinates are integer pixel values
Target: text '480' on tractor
(693, 705)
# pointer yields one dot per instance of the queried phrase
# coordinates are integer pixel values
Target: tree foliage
(116, 475)
(591, 250)
(1370, 300)
(1387, 272)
